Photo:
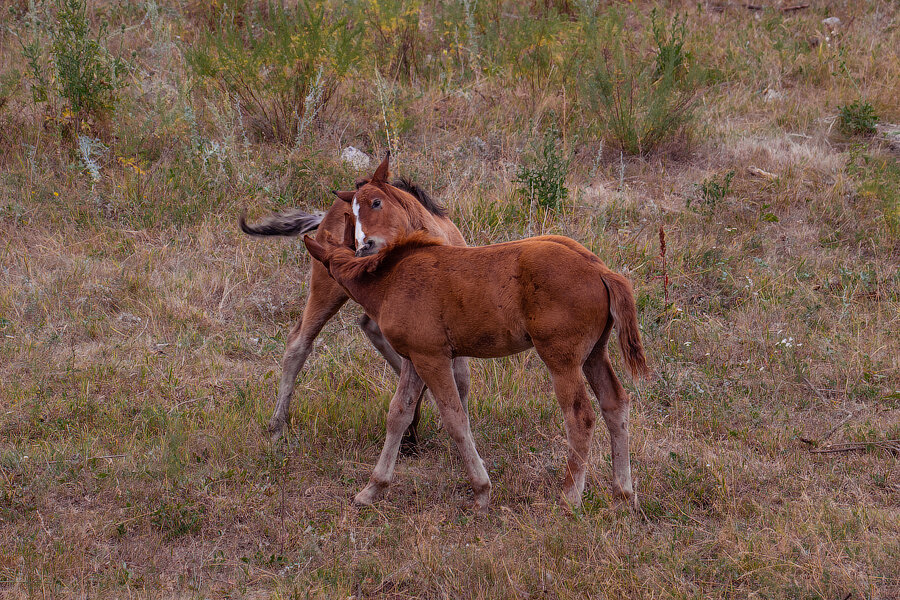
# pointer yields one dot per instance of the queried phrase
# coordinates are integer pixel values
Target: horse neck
(364, 287)
(419, 217)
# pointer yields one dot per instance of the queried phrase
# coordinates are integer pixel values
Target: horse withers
(435, 302)
(391, 210)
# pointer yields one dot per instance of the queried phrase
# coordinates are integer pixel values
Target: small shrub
(712, 191)
(544, 182)
(639, 103)
(77, 67)
(858, 118)
(282, 71)
(398, 43)
(533, 51)
(177, 519)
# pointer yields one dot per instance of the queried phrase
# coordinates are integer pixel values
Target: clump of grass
(397, 40)
(177, 519)
(543, 180)
(711, 191)
(282, 70)
(533, 51)
(858, 118)
(638, 102)
(77, 67)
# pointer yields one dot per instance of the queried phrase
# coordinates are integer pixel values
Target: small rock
(771, 95)
(889, 134)
(359, 159)
(129, 319)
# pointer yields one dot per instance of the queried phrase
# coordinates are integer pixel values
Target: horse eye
(376, 203)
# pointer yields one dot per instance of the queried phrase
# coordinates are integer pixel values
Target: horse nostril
(365, 249)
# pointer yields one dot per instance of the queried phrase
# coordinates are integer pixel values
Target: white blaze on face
(360, 234)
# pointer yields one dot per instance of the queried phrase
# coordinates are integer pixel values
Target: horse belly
(492, 344)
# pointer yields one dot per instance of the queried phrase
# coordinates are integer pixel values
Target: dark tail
(289, 223)
(624, 314)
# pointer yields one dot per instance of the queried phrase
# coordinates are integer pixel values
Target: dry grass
(140, 333)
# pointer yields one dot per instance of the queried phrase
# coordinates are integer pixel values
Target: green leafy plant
(544, 180)
(77, 66)
(713, 190)
(858, 118)
(639, 102)
(177, 519)
(282, 70)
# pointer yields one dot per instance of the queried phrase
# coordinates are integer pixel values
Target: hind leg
(615, 405)
(563, 356)
(579, 418)
(325, 298)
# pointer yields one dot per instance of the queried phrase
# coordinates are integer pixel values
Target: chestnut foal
(435, 302)
(391, 210)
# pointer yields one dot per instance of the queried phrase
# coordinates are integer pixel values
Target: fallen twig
(75, 460)
(889, 445)
(761, 173)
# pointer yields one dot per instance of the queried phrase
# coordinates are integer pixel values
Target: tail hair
(289, 222)
(624, 313)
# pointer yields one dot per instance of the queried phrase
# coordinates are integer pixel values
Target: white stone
(359, 159)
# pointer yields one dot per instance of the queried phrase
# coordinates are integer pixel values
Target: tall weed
(397, 42)
(638, 103)
(76, 67)
(282, 70)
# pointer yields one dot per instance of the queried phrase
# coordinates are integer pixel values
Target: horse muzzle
(366, 249)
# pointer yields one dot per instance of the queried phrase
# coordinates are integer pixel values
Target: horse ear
(316, 249)
(345, 196)
(349, 231)
(382, 172)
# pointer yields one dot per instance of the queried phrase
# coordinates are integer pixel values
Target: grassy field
(141, 332)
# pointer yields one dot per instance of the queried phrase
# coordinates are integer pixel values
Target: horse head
(382, 212)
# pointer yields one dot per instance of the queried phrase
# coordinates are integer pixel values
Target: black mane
(402, 183)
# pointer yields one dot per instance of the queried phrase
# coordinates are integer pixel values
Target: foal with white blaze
(435, 303)
(390, 209)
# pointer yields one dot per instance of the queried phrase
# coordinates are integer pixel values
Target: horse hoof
(364, 498)
(572, 499)
(276, 431)
(368, 495)
(482, 499)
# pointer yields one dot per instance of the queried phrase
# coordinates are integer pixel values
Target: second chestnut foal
(435, 302)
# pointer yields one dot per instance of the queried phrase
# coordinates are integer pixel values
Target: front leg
(400, 415)
(437, 372)
(410, 442)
